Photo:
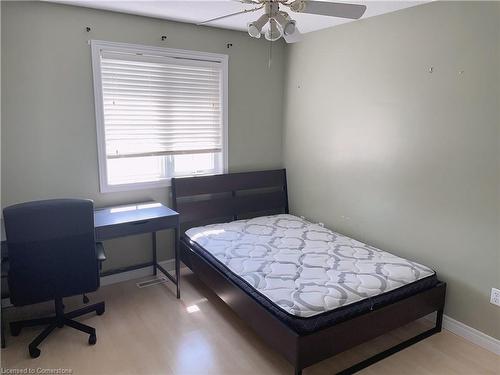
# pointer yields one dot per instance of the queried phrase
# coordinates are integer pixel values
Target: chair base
(58, 321)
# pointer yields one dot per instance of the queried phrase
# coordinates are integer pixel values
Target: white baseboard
(471, 334)
(127, 275)
(468, 333)
(169, 265)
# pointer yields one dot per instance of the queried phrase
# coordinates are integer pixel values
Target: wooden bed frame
(221, 198)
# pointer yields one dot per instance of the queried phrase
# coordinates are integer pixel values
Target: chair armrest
(99, 250)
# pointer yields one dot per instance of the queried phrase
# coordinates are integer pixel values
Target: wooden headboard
(231, 196)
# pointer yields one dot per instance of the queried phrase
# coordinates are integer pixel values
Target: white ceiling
(196, 11)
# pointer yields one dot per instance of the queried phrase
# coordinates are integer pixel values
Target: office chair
(52, 254)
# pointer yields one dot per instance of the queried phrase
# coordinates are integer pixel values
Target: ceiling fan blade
(230, 15)
(293, 38)
(342, 10)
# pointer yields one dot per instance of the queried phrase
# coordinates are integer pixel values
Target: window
(160, 113)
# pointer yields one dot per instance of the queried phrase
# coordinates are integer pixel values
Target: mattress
(305, 274)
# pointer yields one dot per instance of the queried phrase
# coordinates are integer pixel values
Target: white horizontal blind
(156, 105)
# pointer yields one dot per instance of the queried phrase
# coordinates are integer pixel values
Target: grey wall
(379, 149)
(48, 122)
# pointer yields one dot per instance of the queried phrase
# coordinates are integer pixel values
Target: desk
(132, 219)
(139, 218)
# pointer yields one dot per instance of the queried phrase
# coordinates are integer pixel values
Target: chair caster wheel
(100, 311)
(15, 330)
(34, 352)
(92, 339)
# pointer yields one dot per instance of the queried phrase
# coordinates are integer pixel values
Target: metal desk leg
(177, 260)
(155, 260)
(175, 279)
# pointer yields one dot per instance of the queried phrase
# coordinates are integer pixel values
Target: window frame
(96, 46)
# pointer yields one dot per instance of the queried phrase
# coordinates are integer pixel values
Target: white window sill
(136, 186)
(150, 185)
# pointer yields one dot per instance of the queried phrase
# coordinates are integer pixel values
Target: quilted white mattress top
(302, 267)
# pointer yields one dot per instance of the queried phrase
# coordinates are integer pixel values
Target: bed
(306, 290)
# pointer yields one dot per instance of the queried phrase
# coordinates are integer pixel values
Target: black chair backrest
(51, 250)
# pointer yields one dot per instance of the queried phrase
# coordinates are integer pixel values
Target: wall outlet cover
(495, 296)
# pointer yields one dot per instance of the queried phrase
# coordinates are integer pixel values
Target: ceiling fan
(279, 22)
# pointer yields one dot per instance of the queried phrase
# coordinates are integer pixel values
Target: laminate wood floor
(148, 331)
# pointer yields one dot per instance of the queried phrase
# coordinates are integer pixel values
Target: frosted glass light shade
(274, 32)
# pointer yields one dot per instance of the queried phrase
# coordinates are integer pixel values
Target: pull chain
(270, 55)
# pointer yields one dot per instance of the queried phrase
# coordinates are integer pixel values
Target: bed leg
(439, 320)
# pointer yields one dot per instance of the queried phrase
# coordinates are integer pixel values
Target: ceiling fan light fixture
(255, 28)
(253, 31)
(286, 23)
(274, 31)
(289, 29)
(298, 6)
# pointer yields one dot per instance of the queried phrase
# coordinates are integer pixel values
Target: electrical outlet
(495, 296)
